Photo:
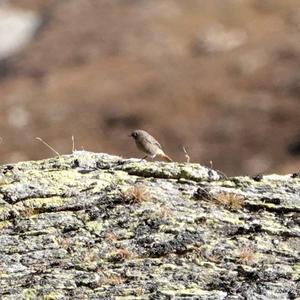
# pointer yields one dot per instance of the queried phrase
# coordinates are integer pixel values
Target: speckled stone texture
(95, 226)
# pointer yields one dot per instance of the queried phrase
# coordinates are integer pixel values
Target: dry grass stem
(165, 212)
(229, 200)
(137, 194)
(47, 145)
(30, 211)
(121, 254)
(112, 237)
(91, 255)
(73, 144)
(186, 155)
(246, 255)
(113, 280)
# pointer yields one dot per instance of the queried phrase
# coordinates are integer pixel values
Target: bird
(148, 145)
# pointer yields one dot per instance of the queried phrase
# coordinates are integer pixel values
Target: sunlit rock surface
(72, 228)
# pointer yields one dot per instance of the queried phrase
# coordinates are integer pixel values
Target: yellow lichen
(29, 294)
(94, 226)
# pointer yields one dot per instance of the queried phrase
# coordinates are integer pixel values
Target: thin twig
(186, 154)
(47, 145)
(73, 144)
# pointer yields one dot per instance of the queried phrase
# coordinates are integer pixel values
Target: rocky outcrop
(95, 226)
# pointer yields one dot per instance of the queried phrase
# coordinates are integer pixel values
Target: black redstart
(148, 144)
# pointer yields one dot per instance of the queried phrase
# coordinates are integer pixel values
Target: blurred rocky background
(220, 77)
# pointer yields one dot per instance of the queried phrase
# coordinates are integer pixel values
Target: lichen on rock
(96, 226)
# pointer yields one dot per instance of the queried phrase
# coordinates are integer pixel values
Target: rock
(96, 226)
(17, 28)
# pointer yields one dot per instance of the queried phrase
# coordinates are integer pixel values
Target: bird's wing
(152, 140)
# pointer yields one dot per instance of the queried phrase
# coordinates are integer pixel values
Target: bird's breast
(147, 147)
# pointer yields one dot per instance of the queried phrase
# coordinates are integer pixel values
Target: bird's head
(134, 134)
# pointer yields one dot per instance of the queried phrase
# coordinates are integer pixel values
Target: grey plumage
(148, 144)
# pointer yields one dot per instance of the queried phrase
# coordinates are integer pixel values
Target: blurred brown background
(221, 77)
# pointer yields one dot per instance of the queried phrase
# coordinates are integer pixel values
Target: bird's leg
(143, 158)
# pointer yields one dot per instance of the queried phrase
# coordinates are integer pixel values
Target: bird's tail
(166, 157)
